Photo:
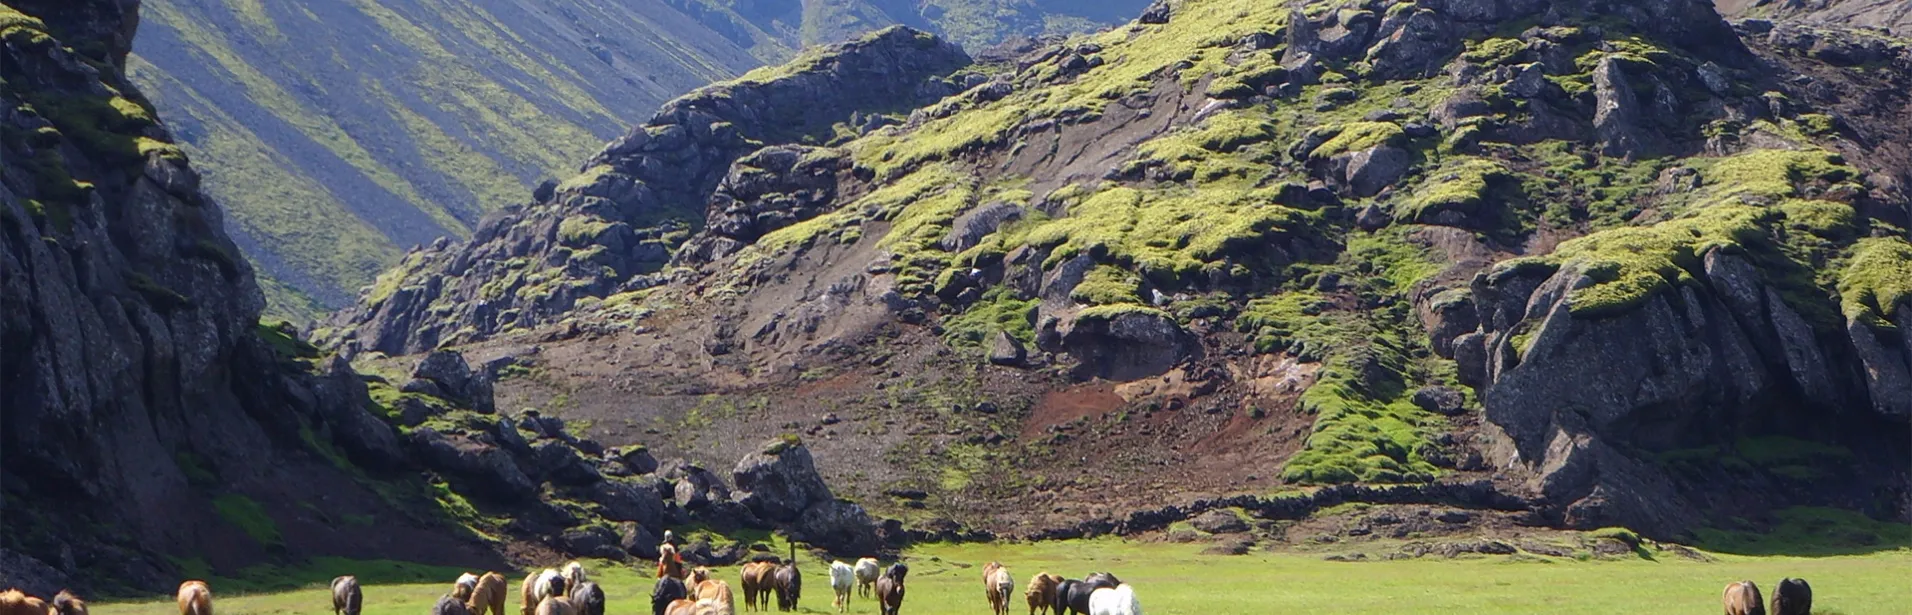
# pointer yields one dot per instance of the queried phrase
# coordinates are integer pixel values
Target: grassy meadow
(1173, 579)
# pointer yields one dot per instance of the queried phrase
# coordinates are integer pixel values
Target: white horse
(1118, 601)
(867, 569)
(573, 574)
(842, 580)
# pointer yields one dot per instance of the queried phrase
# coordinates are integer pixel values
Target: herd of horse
(681, 590)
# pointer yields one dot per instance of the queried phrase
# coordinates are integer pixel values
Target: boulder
(1006, 350)
(558, 462)
(452, 376)
(637, 458)
(1441, 400)
(1219, 522)
(638, 540)
(1368, 171)
(628, 500)
(972, 226)
(780, 481)
(473, 467)
(364, 438)
(837, 526)
(1127, 345)
(1616, 116)
(592, 541)
(1156, 13)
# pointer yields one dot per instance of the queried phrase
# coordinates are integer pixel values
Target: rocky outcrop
(781, 484)
(765, 191)
(136, 381)
(616, 224)
(1576, 404)
(1127, 345)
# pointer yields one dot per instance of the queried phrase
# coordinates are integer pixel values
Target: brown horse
(681, 607)
(487, 595)
(753, 583)
(997, 586)
(16, 602)
(1041, 593)
(195, 598)
(346, 597)
(66, 603)
(556, 605)
(1742, 598)
(669, 563)
(889, 589)
(717, 594)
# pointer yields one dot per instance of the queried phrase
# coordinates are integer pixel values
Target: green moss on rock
(1876, 280)
(1358, 136)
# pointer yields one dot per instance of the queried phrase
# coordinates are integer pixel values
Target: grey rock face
(1128, 346)
(1219, 522)
(1006, 351)
(770, 189)
(780, 482)
(1572, 409)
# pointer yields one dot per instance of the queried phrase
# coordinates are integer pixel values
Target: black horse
(666, 591)
(789, 586)
(588, 598)
(1073, 595)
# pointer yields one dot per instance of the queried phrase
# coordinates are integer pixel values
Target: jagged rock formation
(137, 390)
(147, 418)
(608, 229)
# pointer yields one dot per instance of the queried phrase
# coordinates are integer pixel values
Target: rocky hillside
(470, 106)
(1894, 18)
(151, 428)
(1626, 262)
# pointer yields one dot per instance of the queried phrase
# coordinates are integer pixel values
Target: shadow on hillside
(1807, 532)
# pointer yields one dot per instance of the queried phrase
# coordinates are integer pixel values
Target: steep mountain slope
(151, 428)
(397, 123)
(143, 411)
(1887, 15)
(1632, 266)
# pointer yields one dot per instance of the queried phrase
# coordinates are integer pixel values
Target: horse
(465, 587)
(867, 569)
(889, 589)
(696, 577)
(1742, 598)
(1041, 593)
(1790, 597)
(717, 593)
(538, 586)
(669, 563)
(66, 603)
(587, 598)
(788, 583)
(556, 605)
(666, 591)
(573, 574)
(1074, 595)
(448, 605)
(753, 582)
(346, 597)
(997, 585)
(486, 594)
(842, 582)
(195, 598)
(1118, 601)
(679, 607)
(16, 602)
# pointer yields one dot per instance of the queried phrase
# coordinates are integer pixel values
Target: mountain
(397, 123)
(153, 428)
(1887, 15)
(1594, 263)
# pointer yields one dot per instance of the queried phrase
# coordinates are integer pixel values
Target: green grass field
(1173, 579)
